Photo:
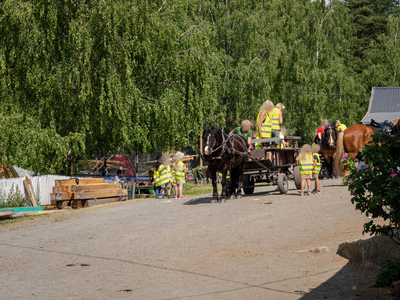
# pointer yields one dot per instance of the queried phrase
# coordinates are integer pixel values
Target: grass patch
(192, 189)
(21, 219)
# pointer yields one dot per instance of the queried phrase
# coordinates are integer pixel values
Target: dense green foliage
(84, 77)
(376, 189)
(389, 273)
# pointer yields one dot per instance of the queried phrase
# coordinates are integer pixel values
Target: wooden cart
(273, 165)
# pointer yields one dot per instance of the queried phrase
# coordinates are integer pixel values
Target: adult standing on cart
(264, 125)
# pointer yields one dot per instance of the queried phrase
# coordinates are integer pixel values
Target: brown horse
(328, 147)
(351, 141)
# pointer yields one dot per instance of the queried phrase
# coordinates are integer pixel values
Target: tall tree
(105, 74)
(370, 21)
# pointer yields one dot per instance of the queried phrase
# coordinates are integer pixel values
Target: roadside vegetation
(81, 77)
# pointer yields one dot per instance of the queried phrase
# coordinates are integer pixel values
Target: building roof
(384, 105)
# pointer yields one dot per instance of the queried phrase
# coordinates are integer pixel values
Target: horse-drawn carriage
(225, 153)
(273, 165)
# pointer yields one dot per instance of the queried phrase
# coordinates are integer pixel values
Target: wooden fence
(42, 186)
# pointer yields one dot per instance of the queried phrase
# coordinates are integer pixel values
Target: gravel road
(252, 248)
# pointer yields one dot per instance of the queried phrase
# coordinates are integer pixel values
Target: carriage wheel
(283, 183)
(297, 177)
(248, 185)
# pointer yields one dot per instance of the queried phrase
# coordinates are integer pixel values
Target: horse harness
(386, 127)
(223, 149)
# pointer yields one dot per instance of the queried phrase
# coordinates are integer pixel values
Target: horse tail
(339, 155)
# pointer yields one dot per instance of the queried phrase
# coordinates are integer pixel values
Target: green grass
(17, 220)
(192, 189)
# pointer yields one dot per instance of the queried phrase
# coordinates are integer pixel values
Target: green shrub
(13, 199)
(388, 274)
(376, 189)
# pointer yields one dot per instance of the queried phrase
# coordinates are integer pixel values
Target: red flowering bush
(376, 189)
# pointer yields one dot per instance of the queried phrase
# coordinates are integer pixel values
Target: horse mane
(214, 130)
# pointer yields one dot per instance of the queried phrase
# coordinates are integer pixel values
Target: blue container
(23, 209)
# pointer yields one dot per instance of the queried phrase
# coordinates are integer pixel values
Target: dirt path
(250, 248)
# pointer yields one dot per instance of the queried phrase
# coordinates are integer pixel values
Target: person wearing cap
(244, 131)
(165, 176)
(339, 126)
(179, 168)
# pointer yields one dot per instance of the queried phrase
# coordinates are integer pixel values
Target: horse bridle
(211, 146)
(208, 144)
(332, 135)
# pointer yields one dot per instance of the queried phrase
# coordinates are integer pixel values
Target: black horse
(328, 147)
(221, 152)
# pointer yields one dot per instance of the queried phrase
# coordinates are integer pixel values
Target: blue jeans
(158, 191)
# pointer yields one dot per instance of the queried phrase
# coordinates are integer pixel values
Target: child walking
(306, 164)
(179, 168)
(316, 167)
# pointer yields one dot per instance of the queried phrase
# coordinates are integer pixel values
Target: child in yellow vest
(165, 176)
(316, 167)
(306, 164)
(179, 168)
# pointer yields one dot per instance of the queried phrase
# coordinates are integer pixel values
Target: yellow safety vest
(265, 129)
(306, 165)
(179, 174)
(228, 175)
(165, 175)
(275, 118)
(317, 168)
(156, 178)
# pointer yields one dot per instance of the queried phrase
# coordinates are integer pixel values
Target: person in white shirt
(118, 179)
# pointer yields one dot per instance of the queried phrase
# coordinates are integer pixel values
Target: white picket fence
(42, 185)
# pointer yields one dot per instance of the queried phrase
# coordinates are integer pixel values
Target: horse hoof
(213, 201)
(223, 200)
(239, 197)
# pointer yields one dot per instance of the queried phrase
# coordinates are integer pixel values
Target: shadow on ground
(351, 282)
(196, 201)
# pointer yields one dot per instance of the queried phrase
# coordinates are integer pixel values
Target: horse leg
(232, 188)
(223, 183)
(330, 166)
(233, 183)
(214, 184)
(240, 180)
